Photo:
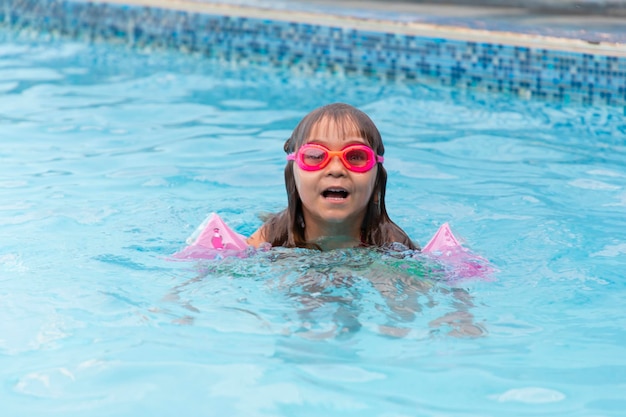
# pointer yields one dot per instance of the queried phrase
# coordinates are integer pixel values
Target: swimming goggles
(356, 158)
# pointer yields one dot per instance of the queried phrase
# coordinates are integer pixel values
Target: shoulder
(258, 237)
(397, 235)
(274, 230)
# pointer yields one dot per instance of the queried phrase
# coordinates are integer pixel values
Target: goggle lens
(313, 157)
(358, 157)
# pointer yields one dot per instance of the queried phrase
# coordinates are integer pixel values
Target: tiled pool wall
(531, 72)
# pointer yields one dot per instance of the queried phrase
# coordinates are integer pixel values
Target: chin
(338, 218)
(335, 219)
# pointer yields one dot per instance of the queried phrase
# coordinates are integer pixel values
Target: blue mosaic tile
(528, 72)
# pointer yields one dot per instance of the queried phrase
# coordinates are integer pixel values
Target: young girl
(335, 184)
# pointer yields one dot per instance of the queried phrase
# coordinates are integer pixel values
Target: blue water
(110, 158)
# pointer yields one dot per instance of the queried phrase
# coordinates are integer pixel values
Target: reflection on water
(334, 294)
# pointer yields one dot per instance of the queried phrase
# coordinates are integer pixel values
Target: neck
(330, 236)
(336, 242)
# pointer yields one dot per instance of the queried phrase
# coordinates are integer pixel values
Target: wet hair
(286, 228)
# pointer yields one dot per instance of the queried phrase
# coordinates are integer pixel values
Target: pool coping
(419, 29)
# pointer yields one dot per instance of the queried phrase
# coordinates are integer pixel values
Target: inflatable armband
(459, 262)
(442, 241)
(213, 239)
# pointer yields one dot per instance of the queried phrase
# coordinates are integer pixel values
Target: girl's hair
(286, 228)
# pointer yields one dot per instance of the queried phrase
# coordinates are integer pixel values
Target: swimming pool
(107, 168)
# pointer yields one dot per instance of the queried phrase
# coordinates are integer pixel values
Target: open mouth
(335, 193)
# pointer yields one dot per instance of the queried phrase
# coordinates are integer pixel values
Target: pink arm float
(214, 239)
(459, 262)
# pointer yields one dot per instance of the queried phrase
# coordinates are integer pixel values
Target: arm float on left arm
(459, 262)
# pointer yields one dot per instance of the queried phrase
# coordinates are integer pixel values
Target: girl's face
(334, 199)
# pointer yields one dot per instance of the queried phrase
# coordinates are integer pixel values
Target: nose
(335, 166)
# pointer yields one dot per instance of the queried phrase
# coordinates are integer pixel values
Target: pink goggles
(356, 158)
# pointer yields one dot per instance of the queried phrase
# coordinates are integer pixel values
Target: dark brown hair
(286, 228)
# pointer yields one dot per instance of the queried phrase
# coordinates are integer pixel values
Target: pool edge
(426, 30)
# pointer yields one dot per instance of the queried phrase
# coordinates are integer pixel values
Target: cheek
(303, 182)
(297, 180)
(370, 182)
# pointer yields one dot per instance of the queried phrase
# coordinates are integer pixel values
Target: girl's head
(336, 195)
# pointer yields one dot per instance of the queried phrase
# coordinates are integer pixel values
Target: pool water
(111, 157)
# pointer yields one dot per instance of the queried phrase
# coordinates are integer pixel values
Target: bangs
(344, 126)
